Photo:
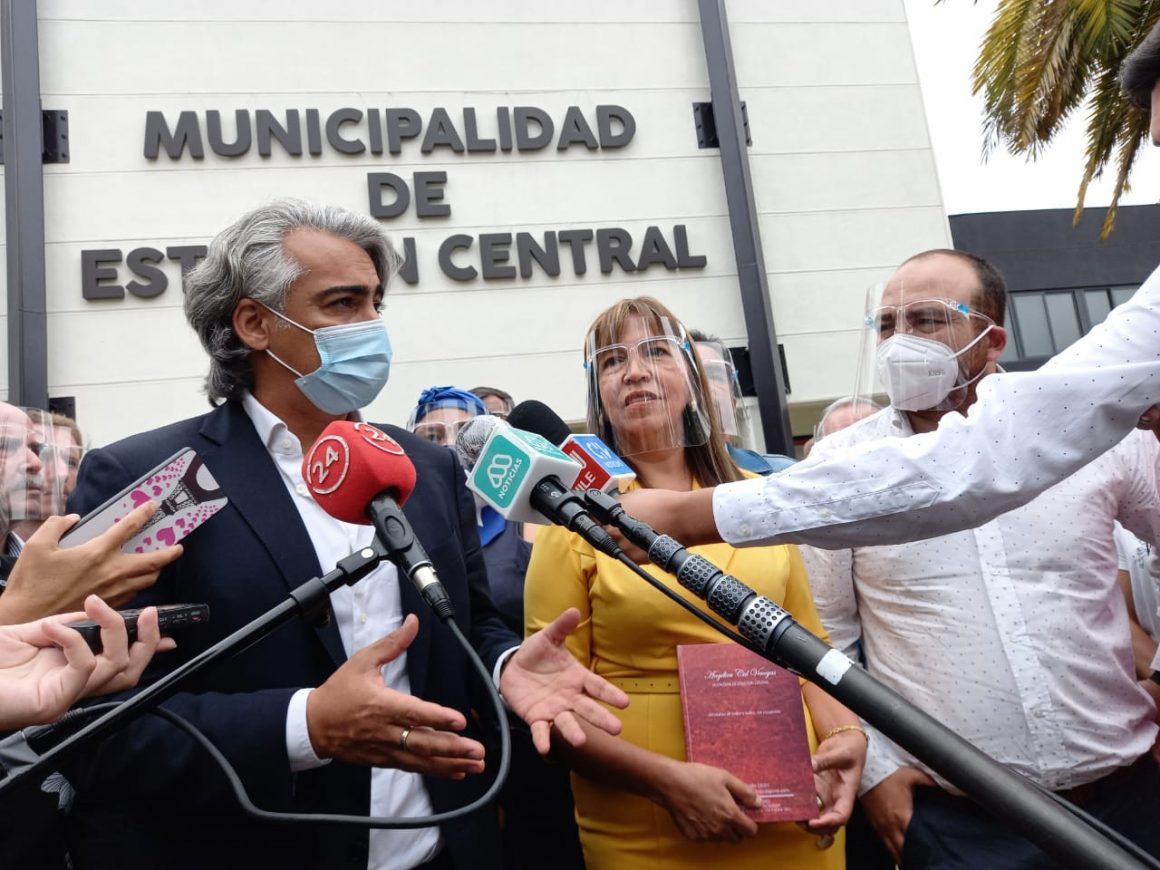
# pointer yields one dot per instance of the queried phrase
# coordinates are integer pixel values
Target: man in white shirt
(1026, 432)
(332, 717)
(1013, 634)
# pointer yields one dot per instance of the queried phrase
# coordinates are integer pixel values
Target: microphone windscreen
(533, 416)
(470, 439)
(350, 464)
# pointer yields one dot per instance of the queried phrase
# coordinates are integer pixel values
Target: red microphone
(350, 464)
(360, 474)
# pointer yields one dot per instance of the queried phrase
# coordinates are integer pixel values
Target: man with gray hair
(326, 717)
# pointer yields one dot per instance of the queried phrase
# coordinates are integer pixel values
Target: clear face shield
(644, 393)
(922, 347)
(39, 461)
(441, 412)
(60, 458)
(724, 388)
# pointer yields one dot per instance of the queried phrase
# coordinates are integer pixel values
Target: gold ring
(403, 738)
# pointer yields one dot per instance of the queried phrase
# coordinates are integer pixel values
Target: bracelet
(842, 729)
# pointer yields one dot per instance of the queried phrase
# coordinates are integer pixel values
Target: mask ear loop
(959, 353)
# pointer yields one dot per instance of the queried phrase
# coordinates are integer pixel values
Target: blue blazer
(148, 797)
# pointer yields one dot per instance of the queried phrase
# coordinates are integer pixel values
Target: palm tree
(1041, 59)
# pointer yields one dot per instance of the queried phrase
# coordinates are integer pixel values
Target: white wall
(841, 164)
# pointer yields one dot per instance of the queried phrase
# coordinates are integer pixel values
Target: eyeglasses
(655, 351)
(439, 432)
(921, 317)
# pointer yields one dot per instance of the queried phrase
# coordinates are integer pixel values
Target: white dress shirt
(1013, 634)
(363, 613)
(1026, 432)
(1142, 562)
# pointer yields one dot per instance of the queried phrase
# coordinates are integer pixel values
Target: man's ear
(252, 324)
(996, 343)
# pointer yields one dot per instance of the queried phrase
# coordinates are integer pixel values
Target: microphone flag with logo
(510, 464)
(360, 474)
(350, 464)
(600, 468)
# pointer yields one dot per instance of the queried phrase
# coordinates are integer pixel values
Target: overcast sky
(946, 41)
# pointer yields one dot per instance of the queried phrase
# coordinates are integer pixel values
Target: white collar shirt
(363, 613)
(1014, 634)
(1142, 562)
(1026, 432)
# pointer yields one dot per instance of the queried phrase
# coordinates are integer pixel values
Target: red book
(744, 714)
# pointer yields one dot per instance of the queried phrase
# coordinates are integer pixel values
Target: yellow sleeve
(799, 600)
(557, 578)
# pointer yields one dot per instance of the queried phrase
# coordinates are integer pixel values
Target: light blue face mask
(355, 364)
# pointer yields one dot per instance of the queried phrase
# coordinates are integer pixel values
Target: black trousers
(954, 832)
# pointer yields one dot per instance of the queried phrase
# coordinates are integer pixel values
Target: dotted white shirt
(1013, 634)
(1026, 432)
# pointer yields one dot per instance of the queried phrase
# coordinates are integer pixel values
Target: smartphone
(187, 496)
(169, 617)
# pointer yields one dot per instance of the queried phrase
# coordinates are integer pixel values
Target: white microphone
(510, 467)
(600, 468)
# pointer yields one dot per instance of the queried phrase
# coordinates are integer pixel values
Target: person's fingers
(129, 525)
(435, 744)
(599, 688)
(412, 712)
(570, 729)
(81, 663)
(53, 529)
(542, 736)
(391, 646)
(563, 625)
(142, 650)
(597, 715)
(146, 566)
(743, 792)
(114, 637)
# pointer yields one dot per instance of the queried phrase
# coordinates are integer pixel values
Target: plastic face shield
(438, 427)
(921, 347)
(644, 394)
(39, 462)
(724, 386)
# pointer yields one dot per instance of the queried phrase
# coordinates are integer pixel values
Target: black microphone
(759, 620)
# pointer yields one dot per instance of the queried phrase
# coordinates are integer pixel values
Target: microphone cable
(250, 809)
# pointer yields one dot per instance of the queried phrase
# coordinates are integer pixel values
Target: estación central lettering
(356, 131)
(489, 256)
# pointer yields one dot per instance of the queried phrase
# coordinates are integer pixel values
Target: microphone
(759, 619)
(600, 468)
(471, 437)
(525, 478)
(361, 475)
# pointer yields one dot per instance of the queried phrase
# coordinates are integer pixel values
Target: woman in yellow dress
(639, 804)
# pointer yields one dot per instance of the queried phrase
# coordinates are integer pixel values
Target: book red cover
(744, 714)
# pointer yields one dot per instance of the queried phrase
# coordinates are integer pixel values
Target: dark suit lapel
(257, 491)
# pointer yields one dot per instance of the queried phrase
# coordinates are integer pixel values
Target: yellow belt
(647, 685)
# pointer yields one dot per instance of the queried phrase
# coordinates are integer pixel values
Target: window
(1040, 323)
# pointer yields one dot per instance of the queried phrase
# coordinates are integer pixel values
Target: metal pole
(768, 378)
(24, 204)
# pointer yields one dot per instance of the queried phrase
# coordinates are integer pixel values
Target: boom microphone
(601, 468)
(359, 474)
